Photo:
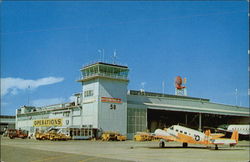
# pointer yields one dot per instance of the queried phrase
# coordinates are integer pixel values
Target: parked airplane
(243, 129)
(186, 135)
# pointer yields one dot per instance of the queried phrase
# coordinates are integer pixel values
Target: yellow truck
(41, 136)
(143, 136)
(113, 136)
(120, 137)
(51, 135)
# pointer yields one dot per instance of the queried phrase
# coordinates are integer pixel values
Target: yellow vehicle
(121, 138)
(143, 136)
(106, 136)
(41, 136)
(113, 136)
(51, 135)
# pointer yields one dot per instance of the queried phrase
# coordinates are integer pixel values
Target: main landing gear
(184, 145)
(162, 144)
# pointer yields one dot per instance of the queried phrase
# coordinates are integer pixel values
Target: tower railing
(109, 75)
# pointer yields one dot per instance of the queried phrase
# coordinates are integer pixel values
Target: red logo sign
(112, 100)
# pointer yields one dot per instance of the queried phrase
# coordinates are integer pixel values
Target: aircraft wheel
(184, 145)
(216, 147)
(162, 144)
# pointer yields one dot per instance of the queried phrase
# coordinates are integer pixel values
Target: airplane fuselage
(242, 129)
(186, 135)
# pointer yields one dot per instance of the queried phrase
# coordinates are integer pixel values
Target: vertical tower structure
(104, 104)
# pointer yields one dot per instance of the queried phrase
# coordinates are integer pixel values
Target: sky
(45, 44)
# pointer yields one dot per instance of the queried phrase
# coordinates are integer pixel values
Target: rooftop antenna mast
(143, 86)
(163, 87)
(28, 95)
(236, 96)
(103, 55)
(101, 51)
(114, 57)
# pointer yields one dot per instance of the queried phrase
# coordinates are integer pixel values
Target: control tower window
(88, 93)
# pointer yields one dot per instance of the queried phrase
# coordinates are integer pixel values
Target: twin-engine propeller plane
(186, 135)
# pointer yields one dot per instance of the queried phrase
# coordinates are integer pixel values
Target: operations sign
(47, 122)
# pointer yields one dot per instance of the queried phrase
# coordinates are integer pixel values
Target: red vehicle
(14, 133)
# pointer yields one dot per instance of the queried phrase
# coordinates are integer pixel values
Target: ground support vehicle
(51, 135)
(41, 136)
(14, 133)
(113, 136)
(143, 136)
(120, 137)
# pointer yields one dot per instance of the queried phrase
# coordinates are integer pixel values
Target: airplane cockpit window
(171, 128)
(176, 130)
(185, 132)
(181, 131)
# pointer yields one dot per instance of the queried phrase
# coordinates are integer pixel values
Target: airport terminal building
(105, 104)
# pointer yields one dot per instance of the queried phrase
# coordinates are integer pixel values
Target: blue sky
(44, 44)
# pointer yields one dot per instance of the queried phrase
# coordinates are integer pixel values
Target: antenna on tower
(143, 87)
(114, 57)
(101, 51)
(103, 55)
(163, 87)
(28, 95)
(236, 96)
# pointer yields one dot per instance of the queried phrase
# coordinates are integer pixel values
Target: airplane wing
(217, 135)
(161, 134)
(223, 141)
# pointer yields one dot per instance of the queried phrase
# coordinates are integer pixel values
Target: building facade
(7, 122)
(105, 104)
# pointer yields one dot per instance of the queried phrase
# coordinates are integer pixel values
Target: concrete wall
(90, 104)
(113, 119)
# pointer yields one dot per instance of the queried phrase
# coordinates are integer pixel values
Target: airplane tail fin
(208, 132)
(235, 136)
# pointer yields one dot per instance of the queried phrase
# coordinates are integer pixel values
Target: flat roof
(140, 93)
(102, 63)
(7, 116)
(157, 101)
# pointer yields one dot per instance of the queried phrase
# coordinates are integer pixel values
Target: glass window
(88, 93)
(66, 114)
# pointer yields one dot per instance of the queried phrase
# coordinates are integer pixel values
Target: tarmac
(31, 150)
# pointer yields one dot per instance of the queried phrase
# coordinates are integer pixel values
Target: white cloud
(13, 85)
(46, 102)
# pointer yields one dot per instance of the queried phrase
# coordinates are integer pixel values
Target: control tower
(104, 103)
